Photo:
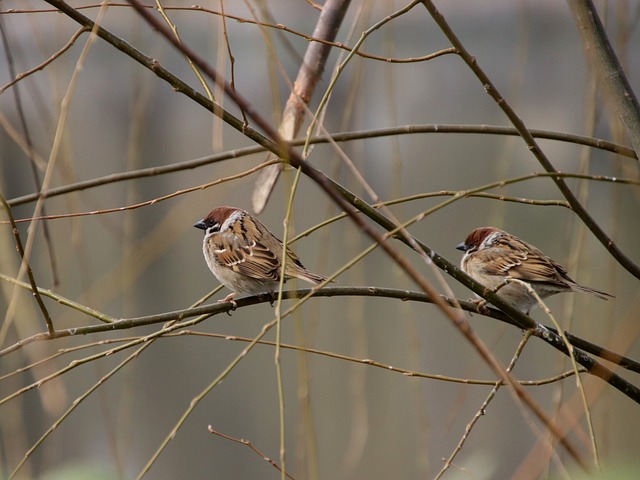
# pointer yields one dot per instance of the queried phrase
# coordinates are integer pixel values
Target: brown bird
(493, 255)
(244, 255)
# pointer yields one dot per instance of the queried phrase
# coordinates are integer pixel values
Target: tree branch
(546, 334)
(603, 59)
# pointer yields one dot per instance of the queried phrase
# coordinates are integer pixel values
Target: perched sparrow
(492, 255)
(244, 255)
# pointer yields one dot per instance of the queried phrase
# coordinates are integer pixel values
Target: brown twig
(157, 199)
(253, 448)
(279, 26)
(32, 281)
(483, 408)
(53, 57)
(314, 351)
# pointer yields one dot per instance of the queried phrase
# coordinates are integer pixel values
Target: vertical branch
(29, 147)
(313, 64)
(608, 69)
(32, 280)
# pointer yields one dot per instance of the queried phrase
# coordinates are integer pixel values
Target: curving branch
(597, 143)
(546, 334)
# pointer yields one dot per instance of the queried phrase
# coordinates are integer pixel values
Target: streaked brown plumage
(244, 255)
(493, 255)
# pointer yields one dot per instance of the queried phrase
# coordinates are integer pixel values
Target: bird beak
(462, 247)
(201, 225)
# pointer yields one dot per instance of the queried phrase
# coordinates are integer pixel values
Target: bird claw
(272, 297)
(481, 305)
(229, 298)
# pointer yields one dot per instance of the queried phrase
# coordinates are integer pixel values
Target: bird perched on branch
(244, 255)
(493, 256)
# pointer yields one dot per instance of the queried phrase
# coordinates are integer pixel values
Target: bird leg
(481, 305)
(229, 298)
(272, 297)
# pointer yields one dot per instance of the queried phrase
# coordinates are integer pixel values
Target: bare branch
(610, 73)
(329, 21)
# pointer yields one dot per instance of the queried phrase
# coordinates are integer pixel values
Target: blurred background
(343, 419)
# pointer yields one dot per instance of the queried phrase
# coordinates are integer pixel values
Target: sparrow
(493, 256)
(244, 255)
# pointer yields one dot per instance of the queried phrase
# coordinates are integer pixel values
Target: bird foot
(229, 298)
(481, 305)
(272, 297)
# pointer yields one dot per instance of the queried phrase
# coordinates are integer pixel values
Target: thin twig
(383, 366)
(25, 262)
(483, 408)
(53, 57)
(153, 201)
(574, 363)
(247, 443)
(133, 341)
(279, 26)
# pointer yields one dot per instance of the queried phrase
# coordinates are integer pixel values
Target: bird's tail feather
(310, 277)
(592, 291)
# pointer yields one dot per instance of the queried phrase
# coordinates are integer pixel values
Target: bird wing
(248, 257)
(535, 269)
(529, 266)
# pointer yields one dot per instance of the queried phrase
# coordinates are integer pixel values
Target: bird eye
(213, 228)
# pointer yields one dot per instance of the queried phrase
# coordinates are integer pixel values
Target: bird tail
(295, 269)
(310, 277)
(592, 291)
